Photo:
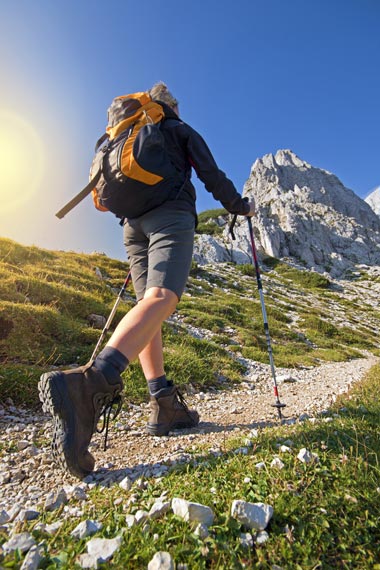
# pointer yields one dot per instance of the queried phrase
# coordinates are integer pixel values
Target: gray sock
(111, 363)
(157, 384)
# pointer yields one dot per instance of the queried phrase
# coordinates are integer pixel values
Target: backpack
(131, 172)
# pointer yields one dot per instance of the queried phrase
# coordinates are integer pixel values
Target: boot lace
(108, 406)
(181, 400)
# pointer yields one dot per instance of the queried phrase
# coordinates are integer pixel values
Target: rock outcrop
(373, 200)
(303, 213)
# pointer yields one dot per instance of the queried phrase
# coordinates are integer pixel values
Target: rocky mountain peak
(306, 214)
(286, 178)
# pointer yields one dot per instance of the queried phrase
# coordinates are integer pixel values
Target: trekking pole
(112, 314)
(278, 403)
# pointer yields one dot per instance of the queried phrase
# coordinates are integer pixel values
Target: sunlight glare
(21, 160)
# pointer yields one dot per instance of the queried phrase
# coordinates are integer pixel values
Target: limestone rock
(304, 214)
(277, 463)
(22, 541)
(193, 512)
(252, 515)
(158, 509)
(102, 549)
(305, 456)
(373, 200)
(126, 483)
(161, 561)
(55, 499)
(86, 528)
(32, 559)
(246, 540)
(262, 536)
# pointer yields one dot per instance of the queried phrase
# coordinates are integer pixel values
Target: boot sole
(55, 401)
(160, 430)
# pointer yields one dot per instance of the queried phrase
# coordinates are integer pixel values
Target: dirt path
(27, 472)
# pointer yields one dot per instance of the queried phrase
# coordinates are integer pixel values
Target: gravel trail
(27, 471)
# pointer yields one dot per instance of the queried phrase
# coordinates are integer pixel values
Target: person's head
(160, 92)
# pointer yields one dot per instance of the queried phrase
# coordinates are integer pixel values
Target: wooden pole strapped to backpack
(80, 196)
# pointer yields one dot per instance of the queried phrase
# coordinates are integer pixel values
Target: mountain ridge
(305, 214)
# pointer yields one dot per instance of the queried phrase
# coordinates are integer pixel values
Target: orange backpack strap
(128, 110)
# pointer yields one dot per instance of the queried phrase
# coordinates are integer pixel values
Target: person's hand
(252, 208)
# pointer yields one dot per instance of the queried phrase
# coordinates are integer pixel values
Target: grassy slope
(47, 297)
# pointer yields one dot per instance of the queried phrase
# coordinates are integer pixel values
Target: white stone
(86, 528)
(260, 465)
(158, 509)
(262, 536)
(277, 463)
(305, 456)
(79, 494)
(14, 511)
(193, 512)
(103, 548)
(22, 541)
(252, 515)
(241, 451)
(141, 516)
(27, 515)
(87, 561)
(55, 499)
(130, 520)
(246, 539)
(161, 561)
(32, 559)
(126, 483)
(284, 449)
(53, 527)
(286, 378)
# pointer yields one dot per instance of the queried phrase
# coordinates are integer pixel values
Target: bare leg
(142, 323)
(152, 359)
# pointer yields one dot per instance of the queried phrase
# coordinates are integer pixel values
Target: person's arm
(215, 181)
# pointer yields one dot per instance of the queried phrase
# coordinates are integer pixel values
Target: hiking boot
(76, 399)
(169, 411)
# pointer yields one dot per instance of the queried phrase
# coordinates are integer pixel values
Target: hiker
(159, 245)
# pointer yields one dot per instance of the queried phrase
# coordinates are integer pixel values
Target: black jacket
(187, 150)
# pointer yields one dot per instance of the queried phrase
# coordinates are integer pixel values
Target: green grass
(207, 222)
(307, 279)
(47, 297)
(326, 513)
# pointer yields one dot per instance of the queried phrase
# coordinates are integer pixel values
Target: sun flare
(21, 160)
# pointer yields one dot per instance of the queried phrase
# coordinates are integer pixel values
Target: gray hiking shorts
(159, 245)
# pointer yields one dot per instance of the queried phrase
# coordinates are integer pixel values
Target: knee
(166, 297)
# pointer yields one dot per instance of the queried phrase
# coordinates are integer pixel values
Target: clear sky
(252, 76)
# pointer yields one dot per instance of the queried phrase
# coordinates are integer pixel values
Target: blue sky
(251, 76)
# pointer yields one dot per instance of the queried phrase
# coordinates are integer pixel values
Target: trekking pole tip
(279, 407)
